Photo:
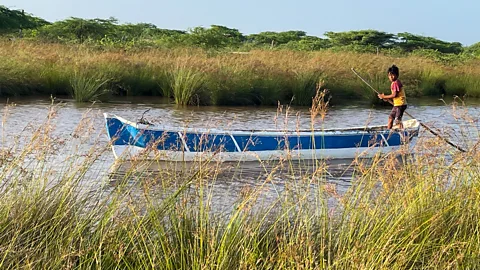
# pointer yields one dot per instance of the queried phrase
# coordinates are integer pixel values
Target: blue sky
(443, 19)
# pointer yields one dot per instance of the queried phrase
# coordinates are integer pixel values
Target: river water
(72, 136)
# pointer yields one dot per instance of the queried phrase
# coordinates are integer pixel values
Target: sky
(446, 20)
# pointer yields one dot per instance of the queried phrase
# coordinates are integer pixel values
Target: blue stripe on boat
(210, 142)
(262, 143)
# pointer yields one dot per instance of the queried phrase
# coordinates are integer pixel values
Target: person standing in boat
(398, 96)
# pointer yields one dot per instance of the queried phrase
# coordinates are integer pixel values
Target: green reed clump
(14, 79)
(247, 84)
(268, 91)
(227, 86)
(141, 81)
(432, 81)
(464, 84)
(163, 84)
(186, 83)
(304, 86)
(86, 87)
(55, 81)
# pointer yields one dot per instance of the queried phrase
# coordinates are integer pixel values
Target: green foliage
(462, 85)
(410, 42)
(86, 87)
(355, 48)
(268, 90)
(361, 38)
(108, 33)
(307, 43)
(215, 37)
(185, 83)
(14, 20)
(473, 49)
(54, 80)
(77, 29)
(379, 82)
(144, 31)
(304, 86)
(445, 58)
(137, 80)
(274, 38)
(228, 86)
(140, 30)
(432, 82)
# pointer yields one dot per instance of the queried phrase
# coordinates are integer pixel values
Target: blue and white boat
(133, 141)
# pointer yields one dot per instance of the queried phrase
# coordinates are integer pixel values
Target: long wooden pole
(422, 124)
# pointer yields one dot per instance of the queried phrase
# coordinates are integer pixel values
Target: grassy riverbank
(423, 214)
(202, 77)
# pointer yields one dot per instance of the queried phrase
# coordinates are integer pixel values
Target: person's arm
(394, 93)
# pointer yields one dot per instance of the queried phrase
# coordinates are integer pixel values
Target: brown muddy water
(72, 136)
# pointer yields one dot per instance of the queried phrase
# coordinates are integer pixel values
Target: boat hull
(133, 141)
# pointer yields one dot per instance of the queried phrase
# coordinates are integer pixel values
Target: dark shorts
(397, 112)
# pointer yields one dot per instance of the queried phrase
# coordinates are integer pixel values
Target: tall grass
(420, 213)
(259, 77)
(186, 83)
(54, 81)
(462, 85)
(86, 87)
(305, 86)
(230, 86)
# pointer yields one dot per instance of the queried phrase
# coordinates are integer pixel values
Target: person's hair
(394, 70)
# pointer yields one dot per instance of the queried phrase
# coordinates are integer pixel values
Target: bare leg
(390, 123)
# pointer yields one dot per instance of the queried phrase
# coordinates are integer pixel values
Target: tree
(139, 30)
(362, 38)
(410, 42)
(308, 43)
(14, 20)
(144, 31)
(78, 29)
(474, 49)
(216, 36)
(269, 38)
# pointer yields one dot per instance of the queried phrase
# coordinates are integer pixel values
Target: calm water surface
(20, 120)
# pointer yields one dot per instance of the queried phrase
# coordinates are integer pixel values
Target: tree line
(109, 32)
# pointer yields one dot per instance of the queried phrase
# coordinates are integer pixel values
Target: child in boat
(398, 96)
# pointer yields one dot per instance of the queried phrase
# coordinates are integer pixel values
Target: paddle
(422, 124)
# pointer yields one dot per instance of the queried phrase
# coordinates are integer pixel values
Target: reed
(86, 87)
(394, 214)
(229, 87)
(186, 83)
(54, 81)
(258, 77)
(462, 85)
(305, 86)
